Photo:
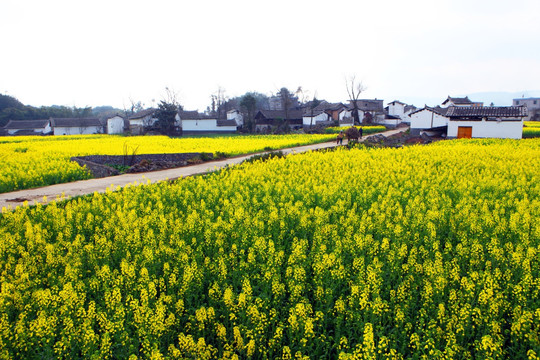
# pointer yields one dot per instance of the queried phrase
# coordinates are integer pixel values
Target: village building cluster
(455, 117)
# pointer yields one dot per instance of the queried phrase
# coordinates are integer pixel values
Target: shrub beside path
(9, 201)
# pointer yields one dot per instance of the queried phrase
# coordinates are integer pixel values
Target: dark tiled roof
(410, 108)
(309, 113)
(437, 110)
(487, 111)
(75, 122)
(396, 102)
(458, 101)
(193, 115)
(142, 113)
(226, 123)
(26, 124)
(368, 105)
(274, 114)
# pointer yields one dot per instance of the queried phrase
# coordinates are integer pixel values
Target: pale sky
(91, 53)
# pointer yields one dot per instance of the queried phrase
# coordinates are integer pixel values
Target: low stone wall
(100, 165)
(97, 170)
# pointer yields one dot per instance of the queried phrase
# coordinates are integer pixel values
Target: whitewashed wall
(236, 116)
(488, 129)
(87, 130)
(389, 122)
(205, 125)
(46, 130)
(396, 109)
(115, 125)
(426, 119)
(306, 120)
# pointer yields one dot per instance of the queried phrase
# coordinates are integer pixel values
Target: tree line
(12, 109)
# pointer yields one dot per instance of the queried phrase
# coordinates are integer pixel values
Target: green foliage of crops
(419, 252)
(531, 129)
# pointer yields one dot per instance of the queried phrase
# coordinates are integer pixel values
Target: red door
(464, 132)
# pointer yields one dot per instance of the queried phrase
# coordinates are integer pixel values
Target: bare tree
(219, 100)
(286, 101)
(354, 89)
(303, 95)
(171, 97)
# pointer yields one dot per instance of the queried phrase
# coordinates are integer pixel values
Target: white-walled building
(428, 118)
(236, 116)
(77, 126)
(141, 120)
(533, 107)
(28, 127)
(397, 108)
(455, 101)
(193, 122)
(311, 117)
(486, 122)
(116, 125)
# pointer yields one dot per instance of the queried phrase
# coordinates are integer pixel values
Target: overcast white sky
(104, 52)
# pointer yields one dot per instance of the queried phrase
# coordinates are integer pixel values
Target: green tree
(166, 117)
(248, 105)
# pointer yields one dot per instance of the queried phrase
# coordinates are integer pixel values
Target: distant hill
(13, 109)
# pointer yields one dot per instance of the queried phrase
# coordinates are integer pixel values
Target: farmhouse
(194, 122)
(28, 127)
(456, 101)
(236, 116)
(433, 118)
(265, 119)
(313, 116)
(367, 109)
(141, 120)
(117, 125)
(77, 126)
(486, 122)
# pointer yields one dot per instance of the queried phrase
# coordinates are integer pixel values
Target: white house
(193, 122)
(397, 108)
(486, 122)
(236, 116)
(366, 107)
(312, 116)
(141, 120)
(77, 126)
(28, 127)
(116, 125)
(428, 118)
(456, 101)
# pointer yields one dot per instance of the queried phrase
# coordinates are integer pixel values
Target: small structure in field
(117, 125)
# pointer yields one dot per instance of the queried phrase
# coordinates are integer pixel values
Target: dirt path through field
(9, 201)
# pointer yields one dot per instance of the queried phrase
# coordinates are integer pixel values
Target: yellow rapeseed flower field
(531, 129)
(32, 161)
(425, 252)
